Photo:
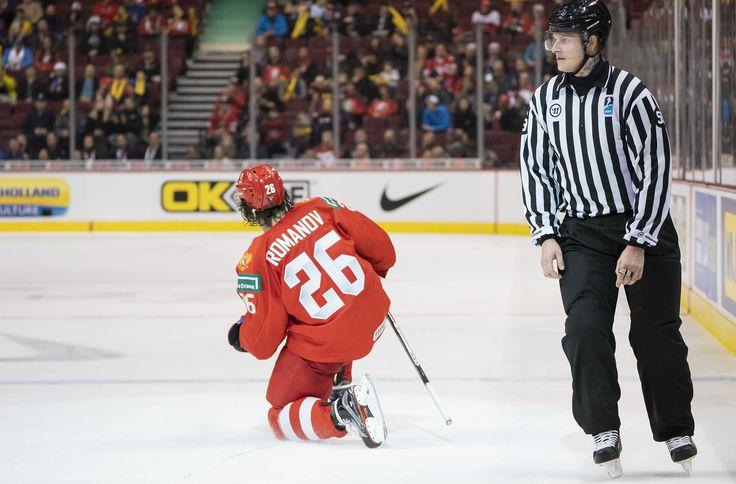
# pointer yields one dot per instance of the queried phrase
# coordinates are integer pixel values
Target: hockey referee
(595, 146)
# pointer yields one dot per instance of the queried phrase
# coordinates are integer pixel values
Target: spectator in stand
(435, 116)
(149, 120)
(301, 133)
(94, 42)
(38, 123)
(63, 123)
(54, 149)
(271, 24)
(89, 151)
(29, 87)
(275, 131)
(389, 76)
(179, 24)
(439, 64)
(193, 153)
(33, 10)
(306, 66)
(382, 25)
(53, 20)
(136, 9)
(58, 84)
(274, 68)
(325, 151)
(360, 152)
(353, 107)
(152, 24)
(488, 17)
(464, 118)
(8, 88)
(130, 120)
(244, 150)
(120, 41)
(518, 20)
(14, 151)
(18, 57)
(322, 121)
(40, 32)
(243, 72)
(383, 106)
(119, 85)
(389, 147)
(87, 86)
(353, 23)
(105, 10)
(153, 149)
(45, 57)
(234, 94)
(223, 119)
(120, 152)
(150, 66)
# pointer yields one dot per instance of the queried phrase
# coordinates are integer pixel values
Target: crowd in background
(294, 83)
(118, 84)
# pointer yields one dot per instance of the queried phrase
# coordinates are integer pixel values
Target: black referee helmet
(583, 17)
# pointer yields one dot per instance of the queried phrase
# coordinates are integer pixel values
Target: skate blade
(613, 468)
(687, 464)
(367, 397)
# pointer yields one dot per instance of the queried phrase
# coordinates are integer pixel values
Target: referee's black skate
(357, 410)
(607, 452)
(683, 450)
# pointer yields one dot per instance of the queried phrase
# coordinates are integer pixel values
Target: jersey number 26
(333, 268)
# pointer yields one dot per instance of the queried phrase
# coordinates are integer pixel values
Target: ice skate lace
(673, 444)
(605, 439)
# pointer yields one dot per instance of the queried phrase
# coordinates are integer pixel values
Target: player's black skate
(607, 452)
(683, 450)
(358, 411)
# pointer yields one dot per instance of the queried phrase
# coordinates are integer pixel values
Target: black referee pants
(591, 248)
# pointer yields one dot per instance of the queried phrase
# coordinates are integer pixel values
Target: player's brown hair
(268, 217)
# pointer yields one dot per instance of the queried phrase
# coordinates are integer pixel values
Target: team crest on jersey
(245, 261)
(555, 110)
(249, 283)
(608, 106)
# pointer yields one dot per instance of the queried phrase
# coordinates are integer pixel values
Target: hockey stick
(417, 366)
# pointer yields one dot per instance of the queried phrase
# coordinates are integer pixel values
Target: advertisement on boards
(705, 245)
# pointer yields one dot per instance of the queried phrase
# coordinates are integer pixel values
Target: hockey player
(312, 278)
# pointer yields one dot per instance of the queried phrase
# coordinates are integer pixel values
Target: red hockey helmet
(261, 187)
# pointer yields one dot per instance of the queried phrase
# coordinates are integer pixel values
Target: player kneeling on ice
(313, 278)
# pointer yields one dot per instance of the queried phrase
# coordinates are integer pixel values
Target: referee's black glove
(233, 336)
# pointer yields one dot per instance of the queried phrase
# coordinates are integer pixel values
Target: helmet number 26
(333, 268)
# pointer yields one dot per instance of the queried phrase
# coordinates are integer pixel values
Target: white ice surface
(114, 368)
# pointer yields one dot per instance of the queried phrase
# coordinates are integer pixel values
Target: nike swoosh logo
(389, 205)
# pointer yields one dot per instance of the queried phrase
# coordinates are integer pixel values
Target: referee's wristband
(541, 239)
(634, 243)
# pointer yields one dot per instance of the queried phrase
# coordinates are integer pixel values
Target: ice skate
(358, 411)
(339, 384)
(683, 451)
(607, 452)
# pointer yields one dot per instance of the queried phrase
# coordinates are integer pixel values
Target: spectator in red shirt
(152, 24)
(274, 68)
(223, 119)
(178, 24)
(106, 10)
(275, 131)
(518, 20)
(384, 106)
(439, 65)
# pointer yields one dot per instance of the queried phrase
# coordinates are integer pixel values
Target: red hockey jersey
(314, 279)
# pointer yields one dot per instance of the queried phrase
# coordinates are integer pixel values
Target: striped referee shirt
(603, 152)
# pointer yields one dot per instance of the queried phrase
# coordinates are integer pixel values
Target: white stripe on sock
(285, 424)
(305, 418)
